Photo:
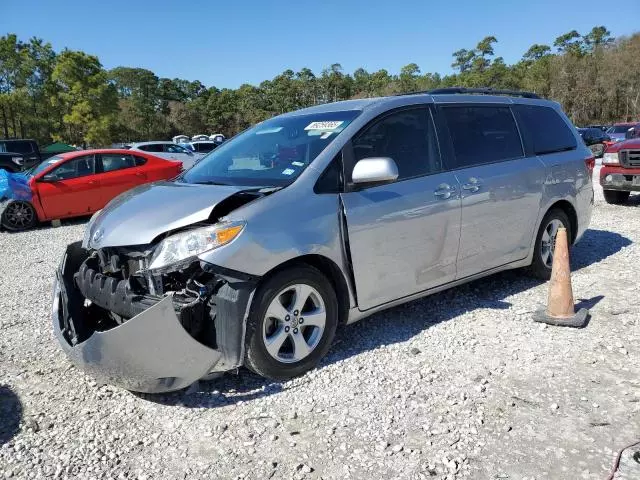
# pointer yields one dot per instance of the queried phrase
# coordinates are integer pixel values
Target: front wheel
(19, 215)
(291, 324)
(615, 197)
(546, 242)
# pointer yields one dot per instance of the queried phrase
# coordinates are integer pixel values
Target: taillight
(590, 164)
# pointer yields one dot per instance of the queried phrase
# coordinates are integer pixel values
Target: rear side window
(116, 161)
(154, 147)
(544, 130)
(482, 134)
(408, 137)
(175, 149)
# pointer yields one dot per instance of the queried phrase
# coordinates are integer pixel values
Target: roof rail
(477, 91)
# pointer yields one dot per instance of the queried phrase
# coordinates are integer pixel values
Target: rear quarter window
(544, 130)
(139, 160)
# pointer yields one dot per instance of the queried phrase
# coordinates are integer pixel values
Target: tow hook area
(151, 350)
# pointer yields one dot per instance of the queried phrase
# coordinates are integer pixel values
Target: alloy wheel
(549, 241)
(294, 323)
(18, 215)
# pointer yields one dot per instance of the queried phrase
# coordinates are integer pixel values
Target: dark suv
(17, 155)
(595, 139)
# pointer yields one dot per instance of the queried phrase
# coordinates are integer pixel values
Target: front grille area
(630, 158)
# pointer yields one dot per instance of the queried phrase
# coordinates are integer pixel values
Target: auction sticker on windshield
(328, 125)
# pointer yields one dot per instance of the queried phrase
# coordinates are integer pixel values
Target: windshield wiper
(209, 182)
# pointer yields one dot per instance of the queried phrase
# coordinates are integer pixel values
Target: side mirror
(374, 170)
(630, 133)
(49, 177)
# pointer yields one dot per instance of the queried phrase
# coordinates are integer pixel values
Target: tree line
(69, 96)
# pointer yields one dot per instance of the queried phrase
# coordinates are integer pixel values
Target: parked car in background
(595, 139)
(17, 155)
(314, 219)
(199, 138)
(168, 150)
(604, 128)
(620, 172)
(180, 139)
(76, 184)
(200, 149)
(217, 138)
(618, 132)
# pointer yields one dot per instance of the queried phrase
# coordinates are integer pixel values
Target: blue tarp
(14, 186)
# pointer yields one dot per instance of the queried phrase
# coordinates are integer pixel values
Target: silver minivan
(314, 219)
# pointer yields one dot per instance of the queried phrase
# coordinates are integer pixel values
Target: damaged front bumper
(151, 351)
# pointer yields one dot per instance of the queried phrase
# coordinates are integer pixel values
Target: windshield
(44, 165)
(273, 153)
(619, 129)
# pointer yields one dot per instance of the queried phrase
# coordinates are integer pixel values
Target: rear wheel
(615, 197)
(546, 242)
(19, 215)
(292, 323)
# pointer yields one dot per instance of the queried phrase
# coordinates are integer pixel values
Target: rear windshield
(544, 129)
(16, 146)
(273, 153)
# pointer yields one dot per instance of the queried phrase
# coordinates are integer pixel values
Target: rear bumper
(620, 178)
(150, 352)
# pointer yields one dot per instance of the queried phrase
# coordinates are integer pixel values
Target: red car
(620, 172)
(78, 183)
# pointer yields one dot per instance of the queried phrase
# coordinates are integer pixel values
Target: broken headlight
(194, 242)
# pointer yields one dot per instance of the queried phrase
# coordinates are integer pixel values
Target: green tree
(89, 101)
(408, 79)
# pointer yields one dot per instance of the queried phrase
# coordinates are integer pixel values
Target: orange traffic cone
(560, 309)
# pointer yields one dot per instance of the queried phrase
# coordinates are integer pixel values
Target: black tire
(257, 357)
(615, 197)
(19, 215)
(539, 268)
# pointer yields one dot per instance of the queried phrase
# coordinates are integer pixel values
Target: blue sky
(247, 41)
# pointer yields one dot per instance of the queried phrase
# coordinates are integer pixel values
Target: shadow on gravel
(398, 324)
(10, 414)
(47, 225)
(595, 246)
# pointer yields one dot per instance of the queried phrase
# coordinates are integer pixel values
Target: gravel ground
(458, 385)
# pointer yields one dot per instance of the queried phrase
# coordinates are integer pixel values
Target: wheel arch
(570, 211)
(329, 269)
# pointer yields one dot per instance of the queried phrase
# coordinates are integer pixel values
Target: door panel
(74, 192)
(119, 174)
(501, 189)
(500, 206)
(403, 237)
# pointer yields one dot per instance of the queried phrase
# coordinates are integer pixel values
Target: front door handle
(444, 191)
(472, 186)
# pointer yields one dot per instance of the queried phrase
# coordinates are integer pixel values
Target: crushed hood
(138, 216)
